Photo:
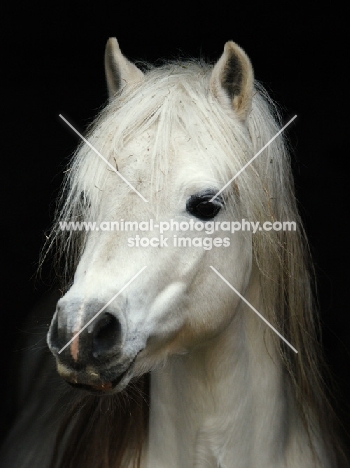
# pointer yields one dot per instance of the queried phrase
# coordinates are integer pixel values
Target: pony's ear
(232, 80)
(119, 71)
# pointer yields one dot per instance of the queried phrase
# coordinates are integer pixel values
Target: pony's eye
(199, 205)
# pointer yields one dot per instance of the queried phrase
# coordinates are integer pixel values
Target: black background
(53, 56)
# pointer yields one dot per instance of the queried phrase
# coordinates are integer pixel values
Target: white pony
(210, 384)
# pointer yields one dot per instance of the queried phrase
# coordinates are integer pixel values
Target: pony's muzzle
(87, 347)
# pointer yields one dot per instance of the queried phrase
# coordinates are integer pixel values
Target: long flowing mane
(109, 432)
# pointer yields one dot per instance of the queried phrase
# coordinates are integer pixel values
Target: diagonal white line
(254, 157)
(101, 310)
(103, 158)
(253, 308)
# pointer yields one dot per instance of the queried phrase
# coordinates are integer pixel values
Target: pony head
(175, 135)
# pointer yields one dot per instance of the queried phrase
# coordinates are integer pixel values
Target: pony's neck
(225, 404)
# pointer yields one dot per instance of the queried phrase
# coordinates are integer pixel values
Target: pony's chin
(102, 387)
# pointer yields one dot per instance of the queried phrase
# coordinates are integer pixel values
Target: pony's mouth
(101, 386)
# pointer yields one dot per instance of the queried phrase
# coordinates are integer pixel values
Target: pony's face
(177, 302)
(135, 319)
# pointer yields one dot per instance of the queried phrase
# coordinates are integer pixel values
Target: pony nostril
(106, 334)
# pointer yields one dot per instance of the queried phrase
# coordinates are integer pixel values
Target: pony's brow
(103, 158)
